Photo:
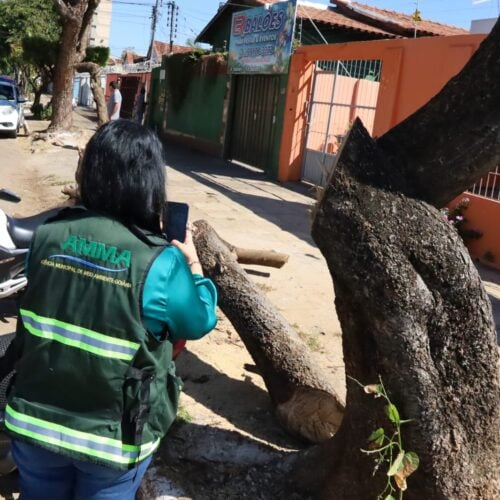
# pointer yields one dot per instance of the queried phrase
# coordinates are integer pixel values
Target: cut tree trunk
(305, 404)
(413, 311)
(97, 91)
(410, 301)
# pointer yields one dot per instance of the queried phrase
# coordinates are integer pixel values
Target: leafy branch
(388, 449)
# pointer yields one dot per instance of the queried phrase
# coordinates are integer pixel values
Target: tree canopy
(29, 35)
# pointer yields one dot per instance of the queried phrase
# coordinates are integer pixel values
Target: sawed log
(268, 258)
(305, 403)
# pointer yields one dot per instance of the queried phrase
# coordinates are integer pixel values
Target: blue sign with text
(261, 39)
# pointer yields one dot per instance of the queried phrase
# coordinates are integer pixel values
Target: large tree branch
(66, 12)
(88, 67)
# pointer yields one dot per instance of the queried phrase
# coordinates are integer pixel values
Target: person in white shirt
(115, 101)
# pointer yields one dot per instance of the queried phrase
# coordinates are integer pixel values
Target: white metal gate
(342, 91)
(488, 186)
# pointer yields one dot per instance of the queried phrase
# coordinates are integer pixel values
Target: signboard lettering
(261, 39)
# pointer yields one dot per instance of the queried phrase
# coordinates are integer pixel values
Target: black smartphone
(175, 219)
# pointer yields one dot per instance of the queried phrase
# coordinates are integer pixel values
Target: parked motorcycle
(15, 239)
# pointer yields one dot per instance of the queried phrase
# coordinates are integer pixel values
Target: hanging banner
(261, 39)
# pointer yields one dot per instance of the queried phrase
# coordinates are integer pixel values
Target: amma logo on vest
(81, 247)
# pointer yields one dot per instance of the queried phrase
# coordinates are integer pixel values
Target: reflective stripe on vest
(111, 450)
(76, 336)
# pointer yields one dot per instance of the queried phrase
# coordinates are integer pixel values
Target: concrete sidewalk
(250, 210)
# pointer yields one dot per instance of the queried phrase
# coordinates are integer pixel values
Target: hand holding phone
(179, 233)
(175, 220)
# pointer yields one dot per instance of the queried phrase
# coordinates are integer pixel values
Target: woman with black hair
(95, 386)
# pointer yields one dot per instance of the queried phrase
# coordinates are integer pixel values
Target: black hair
(122, 174)
(114, 85)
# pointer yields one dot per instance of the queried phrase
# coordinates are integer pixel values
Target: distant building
(101, 25)
(479, 26)
(342, 21)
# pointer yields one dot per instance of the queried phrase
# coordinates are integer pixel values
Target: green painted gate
(253, 124)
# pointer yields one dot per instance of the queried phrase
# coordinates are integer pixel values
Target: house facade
(245, 111)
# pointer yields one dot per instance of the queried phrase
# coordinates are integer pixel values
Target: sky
(131, 19)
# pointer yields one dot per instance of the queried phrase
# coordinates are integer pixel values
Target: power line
(122, 2)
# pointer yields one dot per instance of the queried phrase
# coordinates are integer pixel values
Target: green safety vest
(92, 383)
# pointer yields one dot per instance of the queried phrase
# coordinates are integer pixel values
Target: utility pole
(416, 19)
(154, 21)
(173, 16)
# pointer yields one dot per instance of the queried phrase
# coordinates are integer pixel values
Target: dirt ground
(225, 415)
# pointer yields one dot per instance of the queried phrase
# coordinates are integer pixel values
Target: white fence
(488, 186)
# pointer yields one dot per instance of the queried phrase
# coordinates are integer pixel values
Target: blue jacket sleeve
(175, 299)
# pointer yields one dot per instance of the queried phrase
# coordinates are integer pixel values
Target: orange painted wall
(413, 71)
(483, 214)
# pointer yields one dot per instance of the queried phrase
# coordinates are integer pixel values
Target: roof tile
(333, 18)
(404, 21)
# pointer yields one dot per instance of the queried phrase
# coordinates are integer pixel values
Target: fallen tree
(411, 304)
(305, 404)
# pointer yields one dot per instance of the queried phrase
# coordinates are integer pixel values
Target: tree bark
(74, 15)
(62, 100)
(410, 301)
(37, 95)
(97, 91)
(305, 404)
(413, 311)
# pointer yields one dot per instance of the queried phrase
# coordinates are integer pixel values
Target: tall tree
(76, 16)
(41, 54)
(29, 34)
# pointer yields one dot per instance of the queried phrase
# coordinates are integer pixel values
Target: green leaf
(377, 436)
(393, 413)
(389, 497)
(397, 464)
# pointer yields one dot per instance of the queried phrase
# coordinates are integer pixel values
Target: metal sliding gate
(341, 92)
(253, 128)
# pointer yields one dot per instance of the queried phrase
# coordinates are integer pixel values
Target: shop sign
(261, 39)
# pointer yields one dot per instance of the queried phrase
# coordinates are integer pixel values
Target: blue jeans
(45, 475)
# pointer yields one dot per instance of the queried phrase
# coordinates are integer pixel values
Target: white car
(11, 107)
